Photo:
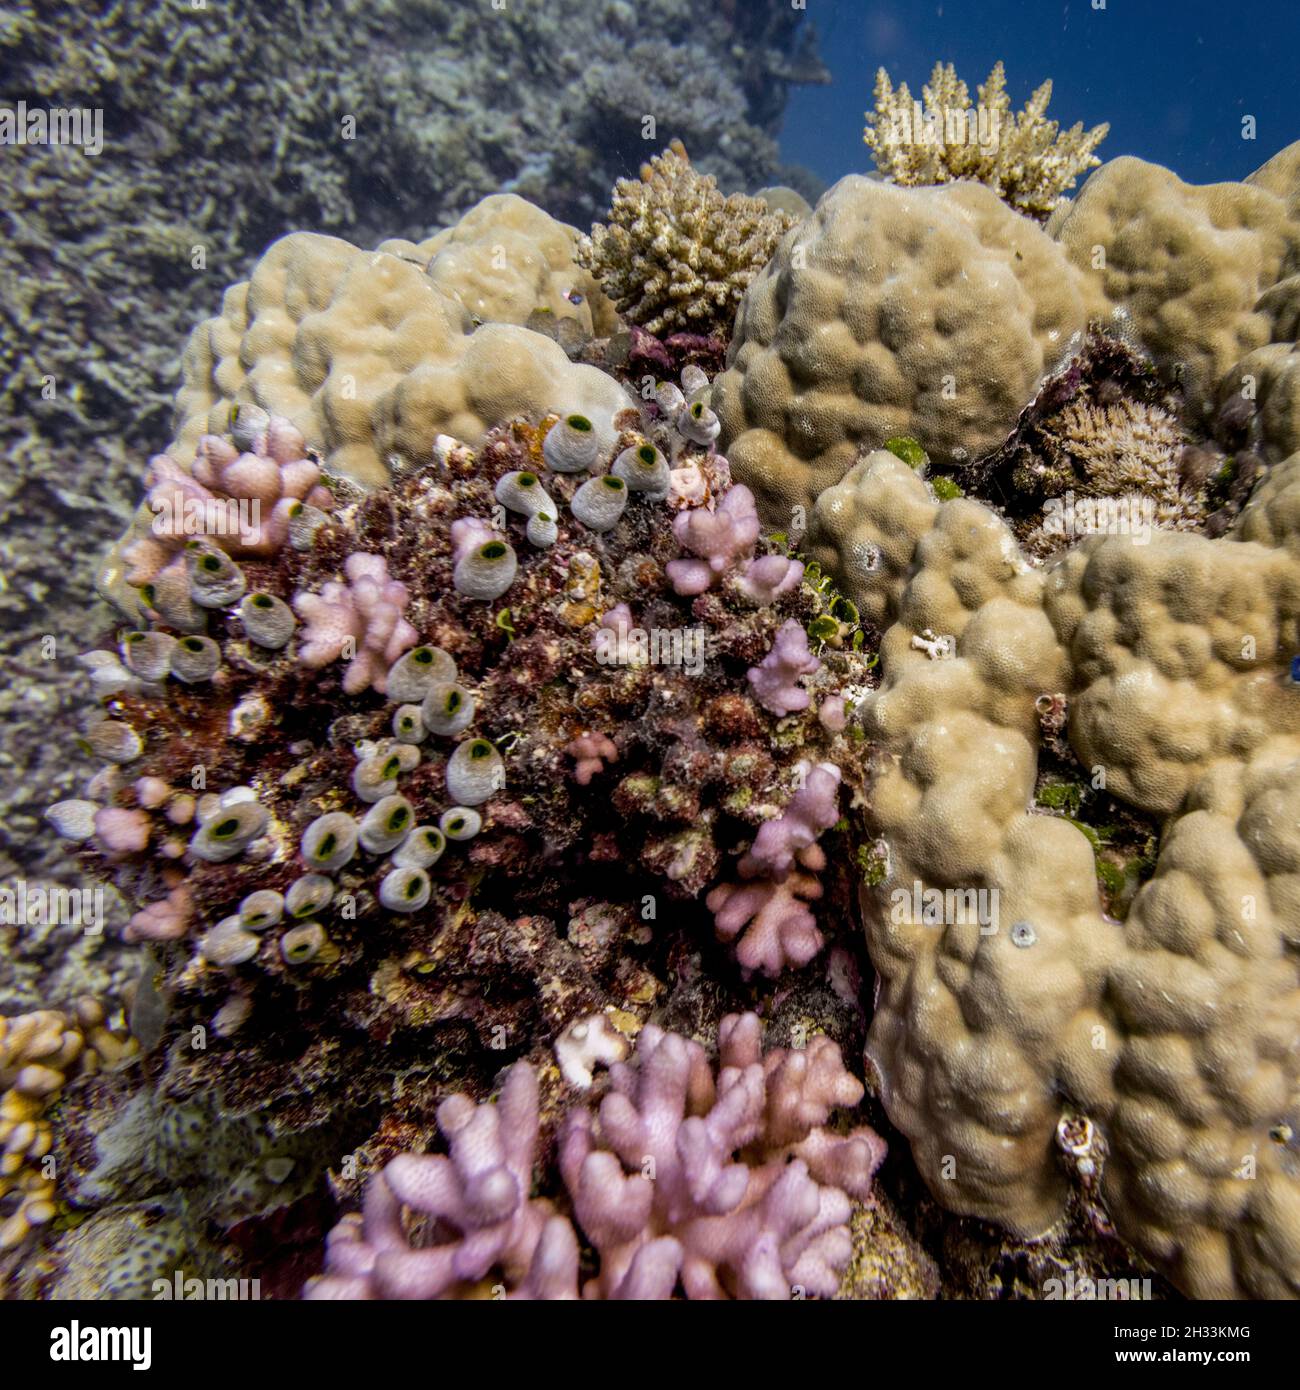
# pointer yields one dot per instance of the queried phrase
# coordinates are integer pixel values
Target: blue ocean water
(1174, 79)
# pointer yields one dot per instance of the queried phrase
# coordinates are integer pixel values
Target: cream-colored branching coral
(39, 1053)
(1128, 451)
(1024, 157)
(1011, 1004)
(676, 256)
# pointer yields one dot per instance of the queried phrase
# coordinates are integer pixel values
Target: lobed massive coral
(1159, 1051)
(925, 312)
(935, 313)
(726, 1186)
(1203, 273)
(370, 355)
(675, 255)
(1025, 158)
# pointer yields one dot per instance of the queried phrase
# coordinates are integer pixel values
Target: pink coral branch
(775, 680)
(361, 619)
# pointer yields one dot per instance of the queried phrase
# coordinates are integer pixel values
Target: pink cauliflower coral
(478, 1196)
(240, 501)
(717, 540)
(660, 1193)
(361, 619)
(715, 1187)
(775, 680)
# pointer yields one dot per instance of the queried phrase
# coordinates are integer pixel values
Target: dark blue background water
(1173, 77)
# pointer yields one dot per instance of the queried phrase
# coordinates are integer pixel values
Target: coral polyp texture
(1025, 158)
(676, 255)
(1174, 1032)
(715, 1186)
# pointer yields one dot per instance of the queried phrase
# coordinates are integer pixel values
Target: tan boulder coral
(372, 355)
(1189, 264)
(506, 259)
(1017, 1025)
(930, 312)
(1269, 377)
(1175, 649)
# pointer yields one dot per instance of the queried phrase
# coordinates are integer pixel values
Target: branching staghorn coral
(726, 1186)
(675, 255)
(1023, 157)
(40, 1053)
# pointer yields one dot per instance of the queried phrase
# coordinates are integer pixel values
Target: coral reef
(470, 729)
(1202, 272)
(1019, 1002)
(226, 127)
(675, 255)
(1022, 156)
(836, 350)
(364, 790)
(726, 1186)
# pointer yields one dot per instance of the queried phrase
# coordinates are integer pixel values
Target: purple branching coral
(360, 620)
(792, 836)
(592, 752)
(716, 541)
(775, 926)
(713, 1187)
(767, 578)
(776, 678)
(477, 1201)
